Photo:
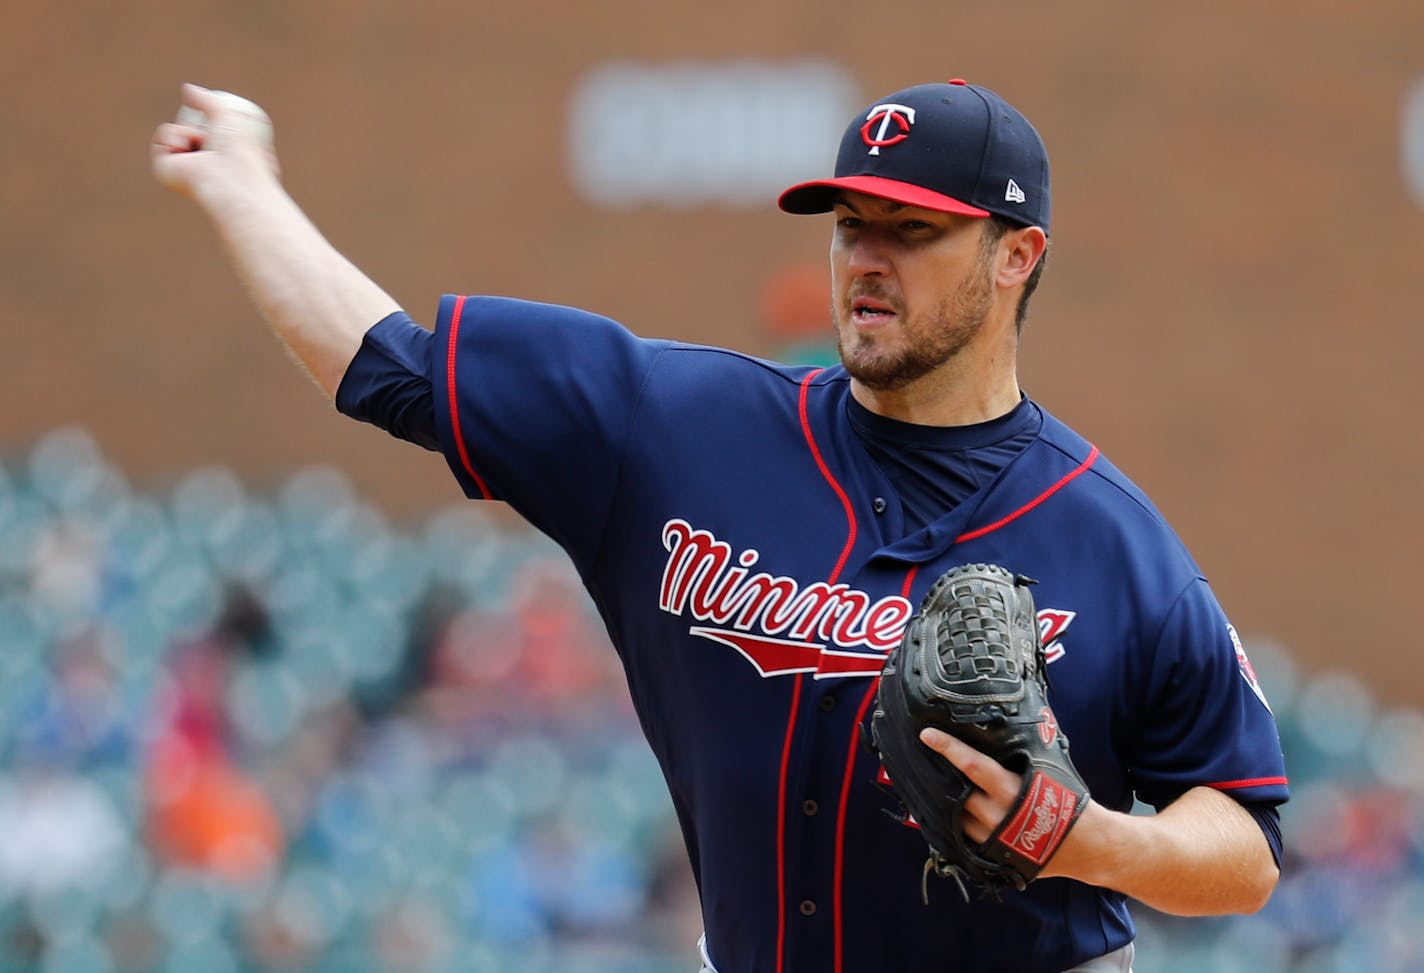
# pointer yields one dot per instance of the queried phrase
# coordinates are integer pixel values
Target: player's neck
(961, 392)
(962, 408)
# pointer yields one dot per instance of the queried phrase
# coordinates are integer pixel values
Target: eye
(916, 226)
(849, 222)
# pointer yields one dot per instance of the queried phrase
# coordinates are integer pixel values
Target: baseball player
(757, 536)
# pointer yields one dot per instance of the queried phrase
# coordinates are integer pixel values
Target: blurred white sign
(1412, 140)
(687, 134)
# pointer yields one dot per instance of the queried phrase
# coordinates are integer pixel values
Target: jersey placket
(809, 819)
(826, 761)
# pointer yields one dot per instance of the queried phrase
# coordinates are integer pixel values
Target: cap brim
(819, 196)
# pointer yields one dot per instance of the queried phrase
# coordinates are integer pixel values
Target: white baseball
(261, 123)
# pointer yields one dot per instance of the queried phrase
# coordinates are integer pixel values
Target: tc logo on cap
(902, 116)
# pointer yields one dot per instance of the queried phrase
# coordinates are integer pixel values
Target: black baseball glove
(971, 664)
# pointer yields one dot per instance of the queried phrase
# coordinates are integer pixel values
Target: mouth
(869, 311)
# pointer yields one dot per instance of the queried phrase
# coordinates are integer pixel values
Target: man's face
(910, 288)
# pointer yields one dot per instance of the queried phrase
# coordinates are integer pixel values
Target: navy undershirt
(933, 468)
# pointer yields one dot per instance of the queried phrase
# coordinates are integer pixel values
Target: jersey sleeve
(387, 382)
(1205, 719)
(534, 404)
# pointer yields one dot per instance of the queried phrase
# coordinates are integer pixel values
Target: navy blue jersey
(753, 565)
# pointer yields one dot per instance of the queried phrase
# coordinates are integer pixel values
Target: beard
(927, 340)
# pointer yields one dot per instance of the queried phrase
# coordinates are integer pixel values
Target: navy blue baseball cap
(954, 147)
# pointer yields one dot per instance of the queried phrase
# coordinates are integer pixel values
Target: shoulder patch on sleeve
(1248, 672)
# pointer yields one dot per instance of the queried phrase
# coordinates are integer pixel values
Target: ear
(1019, 252)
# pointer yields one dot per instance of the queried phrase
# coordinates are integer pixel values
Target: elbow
(1256, 889)
(1243, 891)
(1244, 895)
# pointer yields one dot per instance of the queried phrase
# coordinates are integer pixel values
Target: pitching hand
(219, 144)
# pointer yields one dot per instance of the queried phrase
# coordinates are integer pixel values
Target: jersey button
(879, 505)
(809, 808)
(828, 703)
(808, 908)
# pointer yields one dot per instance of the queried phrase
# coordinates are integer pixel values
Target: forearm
(220, 154)
(1202, 855)
(317, 301)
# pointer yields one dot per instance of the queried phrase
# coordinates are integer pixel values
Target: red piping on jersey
(851, 530)
(781, 825)
(1003, 521)
(909, 582)
(853, 752)
(454, 403)
(846, 779)
(1232, 785)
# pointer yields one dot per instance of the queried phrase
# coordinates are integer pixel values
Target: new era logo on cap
(953, 147)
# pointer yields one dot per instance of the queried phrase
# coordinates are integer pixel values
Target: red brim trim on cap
(820, 196)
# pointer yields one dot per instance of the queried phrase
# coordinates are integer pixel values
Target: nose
(869, 253)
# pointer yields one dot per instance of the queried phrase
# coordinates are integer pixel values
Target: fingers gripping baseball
(215, 138)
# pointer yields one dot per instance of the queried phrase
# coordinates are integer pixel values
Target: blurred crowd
(246, 731)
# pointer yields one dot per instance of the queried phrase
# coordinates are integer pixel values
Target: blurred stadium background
(254, 659)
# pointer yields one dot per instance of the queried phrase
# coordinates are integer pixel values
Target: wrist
(238, 188)
(1093, 851)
